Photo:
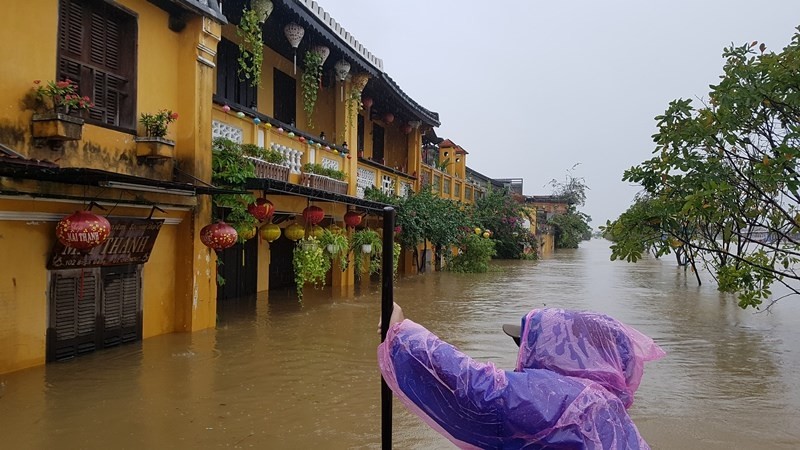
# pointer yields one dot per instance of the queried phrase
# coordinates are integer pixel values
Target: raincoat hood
(586, 345)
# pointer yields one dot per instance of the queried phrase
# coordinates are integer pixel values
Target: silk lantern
(342, 68)
(262, 209)
(83, 230)
(352, 219)
(313, 215)
(218, 236)
(366, 102)
(294, 232)
(294, 34)
(388, 117)
(270, 232)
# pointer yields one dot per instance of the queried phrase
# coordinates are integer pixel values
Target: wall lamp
(145, 188)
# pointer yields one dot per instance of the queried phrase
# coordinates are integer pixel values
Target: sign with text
(130, 242)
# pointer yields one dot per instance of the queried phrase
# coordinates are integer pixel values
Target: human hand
(397, 316)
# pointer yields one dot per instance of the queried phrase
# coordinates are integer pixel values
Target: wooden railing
(270, 170)
(323, 183)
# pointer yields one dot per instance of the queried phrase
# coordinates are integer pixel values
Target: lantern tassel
(294, 63)
(342, 90)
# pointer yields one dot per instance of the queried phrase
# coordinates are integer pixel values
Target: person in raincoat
(576, 375)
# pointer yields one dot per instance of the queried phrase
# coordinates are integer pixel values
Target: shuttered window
(97, 49)
(229, 86)
(93, 308)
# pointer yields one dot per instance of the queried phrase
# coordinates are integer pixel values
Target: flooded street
(278, 374)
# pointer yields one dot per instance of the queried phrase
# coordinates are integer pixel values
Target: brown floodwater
(279, 374)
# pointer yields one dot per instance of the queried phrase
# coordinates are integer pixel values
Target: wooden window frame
(103, 73)
(228, 84)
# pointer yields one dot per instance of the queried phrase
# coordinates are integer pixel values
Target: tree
(503, 213)
(724, 175)
(570, 227)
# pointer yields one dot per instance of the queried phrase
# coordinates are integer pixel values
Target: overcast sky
(530, 88)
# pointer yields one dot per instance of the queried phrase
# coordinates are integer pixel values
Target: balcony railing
(389, 182)
(324, 183)
(270, 170)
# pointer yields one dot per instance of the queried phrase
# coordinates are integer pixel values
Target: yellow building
(541, 208)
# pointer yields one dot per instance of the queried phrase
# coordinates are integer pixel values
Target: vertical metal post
(387, 303)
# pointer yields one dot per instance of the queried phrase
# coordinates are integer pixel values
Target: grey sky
(530, 88)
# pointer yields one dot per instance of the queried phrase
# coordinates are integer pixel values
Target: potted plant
(366, 243)
(154, 143)
(251, 46)
(59, 102)
(310, 81)
(336, 246)
(310, 264)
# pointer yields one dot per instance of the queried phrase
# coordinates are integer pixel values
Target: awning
(282, 187)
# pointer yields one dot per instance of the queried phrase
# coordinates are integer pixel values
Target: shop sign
(130, 242)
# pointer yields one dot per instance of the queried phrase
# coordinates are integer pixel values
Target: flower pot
(333, 249)
(51, 127)
(366, 248)
(154, 148)
(308, 245)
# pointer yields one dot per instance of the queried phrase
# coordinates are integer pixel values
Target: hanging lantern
(388, 117)
(360, 81)
(247, 233)
(352, 219)
(218, 236)
(83, 230)
(313, 215)
(262, 8)
(415, 124)
(335, 229)
(270, 232)
(294, 34)
(366, 102)
(262, 209)
(406, 128)
(322, 51)
(342, 68)
(316, 231)
(295, 232)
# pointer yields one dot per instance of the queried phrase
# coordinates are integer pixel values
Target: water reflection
(280, 374)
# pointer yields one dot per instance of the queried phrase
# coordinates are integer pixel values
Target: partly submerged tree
(724, 176)
(504, 214)
(571, 227)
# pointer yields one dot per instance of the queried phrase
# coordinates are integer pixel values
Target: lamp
(145, 188)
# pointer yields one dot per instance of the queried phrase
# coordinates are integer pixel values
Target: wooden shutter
(229, 86)
(73, 313)
(121, 306)
(97, 50)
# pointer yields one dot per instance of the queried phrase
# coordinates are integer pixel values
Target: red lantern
(262, 209)
(83, 230)
(366, 101)
(352, 219)
(388, 117)
(406, 128)
(218, 236)
(313, 215)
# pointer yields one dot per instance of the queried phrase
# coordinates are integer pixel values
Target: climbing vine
(251, 48)
(310, 82)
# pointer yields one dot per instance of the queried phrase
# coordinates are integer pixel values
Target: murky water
(276, 374)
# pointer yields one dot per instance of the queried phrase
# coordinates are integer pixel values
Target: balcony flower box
(53, 126)
(323, 183)
(151, 147)
(270, 170)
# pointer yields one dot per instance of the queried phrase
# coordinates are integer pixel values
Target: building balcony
(389, 181)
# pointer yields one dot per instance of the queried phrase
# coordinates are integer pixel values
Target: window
(285, 95)
(377, 143)
(229, 86)
(446, 186)
(457, 190)
(360, 132)
(97, 49)
(467, 193)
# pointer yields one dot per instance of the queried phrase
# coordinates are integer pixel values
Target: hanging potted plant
(366, 243)
(336, 246)
(154, 144)
(251, 46)
(59, 103)
(310, 264)
(310, 82)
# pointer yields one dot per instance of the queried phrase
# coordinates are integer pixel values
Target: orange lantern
(218, 236)
(270, 232)
(313, 215)
(262, 209)
(83, 230)
(406, 128)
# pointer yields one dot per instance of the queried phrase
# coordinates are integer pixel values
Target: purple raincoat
(544, 403)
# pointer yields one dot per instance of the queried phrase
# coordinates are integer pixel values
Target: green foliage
(339, 241)
(443, 164)
(310, 81)
(374, 194)
(324, 171)
(369, 237)
(267, 154)
(155, 125)
(504, 214)
(251, 48)
(476, 252)
(310, 264)
(724, 174)
(231, 170)
(425, 216)
(571, 228)
(353, 106)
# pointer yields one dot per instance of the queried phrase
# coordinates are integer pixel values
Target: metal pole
(387, 302)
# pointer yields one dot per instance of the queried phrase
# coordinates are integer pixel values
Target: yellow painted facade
(178, 288)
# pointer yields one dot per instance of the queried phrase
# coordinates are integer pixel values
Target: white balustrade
(387, 184)
(222, 129)
(364, 178)
(330, 163)
(293, 157)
